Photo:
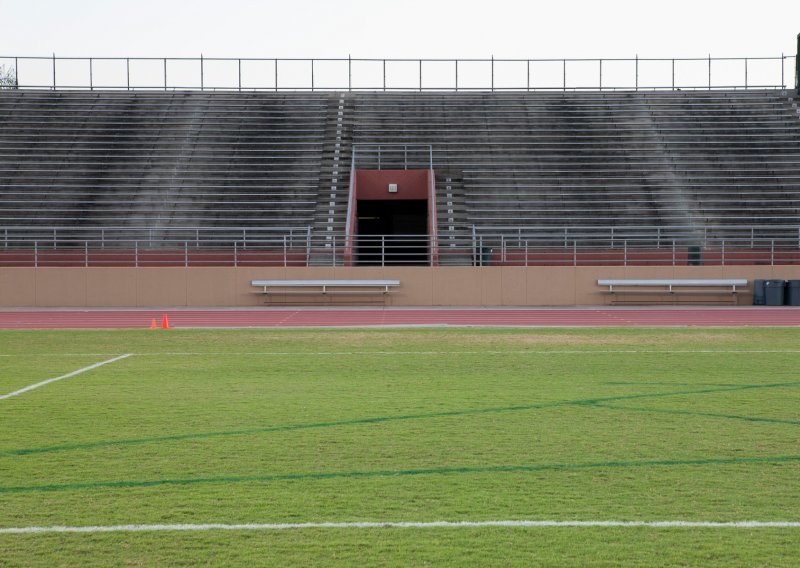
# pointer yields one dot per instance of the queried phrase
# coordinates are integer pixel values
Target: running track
(333, 317)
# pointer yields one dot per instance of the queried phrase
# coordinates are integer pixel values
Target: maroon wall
(374, 184)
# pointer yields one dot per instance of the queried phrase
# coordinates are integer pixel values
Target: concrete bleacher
(695, 160)
(715, 164)
(159, 160)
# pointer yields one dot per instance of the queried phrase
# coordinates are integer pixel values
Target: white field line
(405, 525)
(62, 377)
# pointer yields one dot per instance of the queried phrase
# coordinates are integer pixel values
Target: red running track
(366, 317)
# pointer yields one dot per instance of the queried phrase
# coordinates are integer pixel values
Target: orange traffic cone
(153, 324)
(164, 322)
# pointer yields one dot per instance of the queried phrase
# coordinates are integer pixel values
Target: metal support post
(493, 73)
(601, 74)
(637, 71)
(709, 71)
(384, 75)
(456, 62)
(349, 74)
(420, 75)
(240, 74)
(91, 79)
(528, 69)
(128, 72)
(202, 82)
(312, 75)
(165, 74)
(54, 71)
(276, 75)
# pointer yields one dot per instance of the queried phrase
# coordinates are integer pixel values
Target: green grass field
(401, 425)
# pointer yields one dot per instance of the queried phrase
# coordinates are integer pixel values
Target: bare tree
(8, 77)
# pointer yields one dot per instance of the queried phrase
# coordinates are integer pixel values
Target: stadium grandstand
(444, 187)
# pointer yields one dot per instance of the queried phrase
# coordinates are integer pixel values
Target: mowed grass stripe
(124, 484)
(602, 402)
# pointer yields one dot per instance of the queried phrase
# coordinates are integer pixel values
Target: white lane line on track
(62, 377)
(402, 525)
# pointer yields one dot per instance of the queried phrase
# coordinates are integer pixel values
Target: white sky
(400, 29)
(403, 28)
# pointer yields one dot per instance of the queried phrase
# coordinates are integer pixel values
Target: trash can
(792, 293)
(758, 293)
(695, 254)
(773, 291)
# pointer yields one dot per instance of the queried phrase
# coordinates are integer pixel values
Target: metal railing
(479, 250)
(608, 236)
(369, 74)
(111, 237)
(392, 156)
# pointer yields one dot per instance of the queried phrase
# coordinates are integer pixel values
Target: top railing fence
(360, 74)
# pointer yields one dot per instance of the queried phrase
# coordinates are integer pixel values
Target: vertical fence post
(384, 75)
(709, 71)
(276, 75)
(235, 254)
(240, 74)
(128, 72)
(528, 69)
(202, 73)
(333, 251)
(673, 74)
(601, 74)
(637, 71)
(165, 74)
(186, 254)
(456, 62)
(86, 254)
(563, 74)
(625, 253)
(673, 252)
(783, 67)
(772, 252)
(493, 73)
(574, 253)
(349, 73)
(745, 72)
(312, 75)
(91, 75)
(420, 75)
(383, 250)
(285, 255)
(54, 71)
(722, 256)
(35, 254)
(526, 252)
(136, 254)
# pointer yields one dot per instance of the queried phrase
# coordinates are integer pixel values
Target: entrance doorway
(392, 232)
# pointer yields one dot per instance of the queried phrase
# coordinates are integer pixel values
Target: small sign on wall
(392, 188)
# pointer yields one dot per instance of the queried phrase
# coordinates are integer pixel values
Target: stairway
(330, 217)
(454, 233)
